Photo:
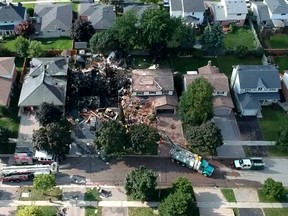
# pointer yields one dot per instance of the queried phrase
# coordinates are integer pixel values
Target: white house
(191, 10)
(228, 11)
(255, 86)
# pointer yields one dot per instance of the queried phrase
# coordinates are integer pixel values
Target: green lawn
(228, 194)
(90, 211)
(184, 64)
(225, 63)
(282, 62)
(273, 151)
(92, 194)
(273, 119)
(240, 36)
(56, 43)
(263, 198)
(54, 194)
(30, 5)
(140, 212)
(236, 212)
(75, 7)
(276, 212)
(47, 210)
(8, 43)
(278, 41)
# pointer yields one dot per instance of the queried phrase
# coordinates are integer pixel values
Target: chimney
(209, 63)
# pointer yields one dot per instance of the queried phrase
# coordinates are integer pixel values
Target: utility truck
(255, 163)
(191, 160)
(25, 173)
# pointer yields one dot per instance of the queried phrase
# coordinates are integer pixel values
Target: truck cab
(206, 168)
(252, 163)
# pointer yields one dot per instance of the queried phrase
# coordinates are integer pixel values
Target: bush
(257, 52)
(273, 189)
(241, 51)
(231, 27)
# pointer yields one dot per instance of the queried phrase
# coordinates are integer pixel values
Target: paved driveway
(228, 127)
(251, 212)
(114, 211)
(246, 195)
(8, 211)
(28, 124)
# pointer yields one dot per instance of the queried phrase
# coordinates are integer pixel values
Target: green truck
(254, 163)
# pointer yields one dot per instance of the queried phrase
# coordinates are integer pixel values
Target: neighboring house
(101, 16)
(284, 85)
(138, 8)
(166, 104)
(229, 11)
(191, 10)
(45, 82)
(271, 13)
(222, 101)
(255, 86)
(53, 20)
(152, 82)
(7, 78)
(10, 16)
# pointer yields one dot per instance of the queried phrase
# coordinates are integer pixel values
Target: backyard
(282, 62)
(273, 119)
(277, 41)
(240, 36)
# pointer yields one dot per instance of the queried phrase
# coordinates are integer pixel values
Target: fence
(258, 44)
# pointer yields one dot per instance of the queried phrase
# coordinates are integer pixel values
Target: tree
(242, 51)
(183, 184)
(273, 189)
(21, 46)
(212, 38)
(103, 41)
(48, 113)
(30, 11)
(25, 28)
(112, 138)
(150, 1)
(29, 211)
(143, 139)
(125, 30)
(4, 136)
(141, 183)
(44, 182)
(282, 139)
(82, 30)
(196, 104)
(35, 49)
(205, 138)
(188, 39)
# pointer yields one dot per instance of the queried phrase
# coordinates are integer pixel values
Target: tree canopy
(143, 139)
(282, 139)
(21, 46)
(212, 38)
(4, 136)
(112, 138)
(140, 183)
(205, 138)
(103, 41)
(31, 210)
(196, 104)
(273, 189)
(82, 30)
(35, 49)
(25, 28)
(48, 113)
(44, 182)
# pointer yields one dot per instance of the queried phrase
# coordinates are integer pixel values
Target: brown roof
(171, 100)
(148, 80)
(208, 69)
(226, 101)
(218, 81)
(6, 67)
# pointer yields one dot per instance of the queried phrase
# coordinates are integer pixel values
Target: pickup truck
(254, 163)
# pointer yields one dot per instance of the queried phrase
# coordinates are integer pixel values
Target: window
(152, 93)
(220, 93)
(283, 14)
(260, 89)
(139, 93)
(246, 90)
(272, 89)
(63, 30)
(239, 14)
(165, 92)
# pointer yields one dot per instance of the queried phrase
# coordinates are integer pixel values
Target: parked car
(77, 179)
(104, 193)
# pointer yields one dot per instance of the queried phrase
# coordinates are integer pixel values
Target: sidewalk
(241, 205)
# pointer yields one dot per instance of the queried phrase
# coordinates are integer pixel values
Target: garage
(222, 105)
(165, 105)
(222, 111)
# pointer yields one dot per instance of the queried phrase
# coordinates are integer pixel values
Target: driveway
(246, 195)
(249, 128)
(28, 124)
(228, 126)
(114, 211)
(8, 211)
(251, 212)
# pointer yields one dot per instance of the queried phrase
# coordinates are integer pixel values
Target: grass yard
(276, 212)
(47, 210)
(90, 211)
(263, 198)
(228, 194)
(236, 212)
(282, 62)
(277, 41)
(75, 7)
(56, 43)
(273, 119)
(184, 64)
(8, 43)
(140, 212)
(274, 151)
(225, 63)
(92, 194)
(240, 36)
(143, 62)
(29, 5)
(55, 194)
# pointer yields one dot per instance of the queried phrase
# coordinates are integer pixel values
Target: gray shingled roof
(249, 76)
(262, 11)
(193, 5)
(251, 100)
(12, 12)
(277, 6)
(176, 5)
(138, 8)
(100, 15)
(54, 16)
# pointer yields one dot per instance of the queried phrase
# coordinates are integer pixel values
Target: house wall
(175, 13)
(278, 16)
(221, 111)
(219, 93)
(198, 15)
(166, 107)
(236, 22)
(53, 34)
(249, 112)
(135, 93)
(254, 9)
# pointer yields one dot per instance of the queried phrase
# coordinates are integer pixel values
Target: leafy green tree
(29, 211)
(212, 39)
(183, 184)
(205, 138)
(150, 1)
(82, 30)
(196, 104)
(188, 39)
(103, 41)
(112, 138)
(242, 51)
(125, 30)
(141, 183)
(44, 182)
(4, 135)
(21, 46)
(35, 49)
(273, 189)
(40, 139)
(143, 139)
(48, 113)
(282, 139)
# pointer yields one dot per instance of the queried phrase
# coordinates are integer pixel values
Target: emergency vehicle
(40, 157)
